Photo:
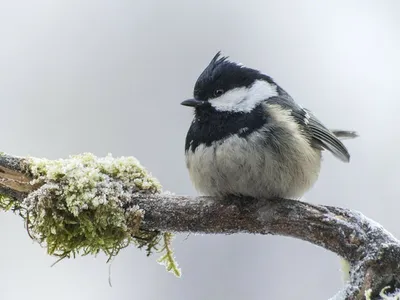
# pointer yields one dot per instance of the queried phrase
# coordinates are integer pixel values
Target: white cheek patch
(245, 99)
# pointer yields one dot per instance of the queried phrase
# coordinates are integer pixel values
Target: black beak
(193, 102)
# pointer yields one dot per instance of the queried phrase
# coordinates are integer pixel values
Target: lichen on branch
(383, 295)
(81, 207)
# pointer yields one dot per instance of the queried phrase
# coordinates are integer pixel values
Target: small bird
(249, 138)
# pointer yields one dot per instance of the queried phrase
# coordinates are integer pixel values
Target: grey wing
(321, 136)
(325, 138)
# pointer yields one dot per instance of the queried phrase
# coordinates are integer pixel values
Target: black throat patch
(210, 125)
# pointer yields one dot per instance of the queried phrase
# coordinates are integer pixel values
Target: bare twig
(374, 254)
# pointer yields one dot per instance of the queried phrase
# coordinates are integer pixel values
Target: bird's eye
(218, 92)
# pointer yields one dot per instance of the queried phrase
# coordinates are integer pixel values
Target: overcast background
(108, 76)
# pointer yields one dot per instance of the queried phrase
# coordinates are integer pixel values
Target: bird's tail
(344, 134)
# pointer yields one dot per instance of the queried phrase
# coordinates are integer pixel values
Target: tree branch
(374, 254)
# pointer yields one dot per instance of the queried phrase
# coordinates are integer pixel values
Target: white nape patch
(243, 130)
(245, 99)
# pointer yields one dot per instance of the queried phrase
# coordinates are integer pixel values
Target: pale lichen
(83, 207)
(383, 294)
(345, 268)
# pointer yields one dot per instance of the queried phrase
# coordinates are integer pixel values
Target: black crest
(223, 74)
(217, 61)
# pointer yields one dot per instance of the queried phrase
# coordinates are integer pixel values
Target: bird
(249, 138)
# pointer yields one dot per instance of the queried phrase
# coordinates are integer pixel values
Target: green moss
(168, 258)
(80, 207)
(5, 203)
(8, 204)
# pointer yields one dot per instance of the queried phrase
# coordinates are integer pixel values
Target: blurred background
(108, 76)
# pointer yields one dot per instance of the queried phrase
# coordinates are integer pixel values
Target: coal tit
(249, 138)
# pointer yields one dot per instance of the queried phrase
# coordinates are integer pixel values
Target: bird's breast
(251, 166)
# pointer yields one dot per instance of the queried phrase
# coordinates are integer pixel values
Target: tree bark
(374, 254)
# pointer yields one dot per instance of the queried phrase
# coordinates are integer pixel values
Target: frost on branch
(81, 207)
(384, 295)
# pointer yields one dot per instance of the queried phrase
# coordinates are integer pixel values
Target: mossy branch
(82, 205)
(140, 213)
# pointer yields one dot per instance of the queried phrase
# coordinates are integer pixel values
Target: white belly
(249, 168)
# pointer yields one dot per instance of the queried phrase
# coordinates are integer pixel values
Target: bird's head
(226, 86)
